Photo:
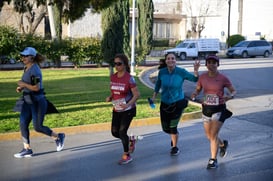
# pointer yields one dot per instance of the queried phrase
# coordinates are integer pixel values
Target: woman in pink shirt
(214, 109)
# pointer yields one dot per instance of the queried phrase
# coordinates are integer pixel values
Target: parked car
(251, 48)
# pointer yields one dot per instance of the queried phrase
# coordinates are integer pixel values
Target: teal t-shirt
(171, 84)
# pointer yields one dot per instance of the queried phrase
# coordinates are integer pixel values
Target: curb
(97, 127)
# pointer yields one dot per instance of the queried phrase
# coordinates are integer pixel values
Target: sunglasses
(118, 63)
(24, 56)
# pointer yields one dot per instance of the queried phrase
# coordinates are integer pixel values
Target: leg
(212, 129)
(115, 124)
(25, 119)
(126, 119)
(38, 110)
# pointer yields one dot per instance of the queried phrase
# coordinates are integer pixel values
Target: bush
(161, 43)
(234, 39)
(8, 41)
(79, 50)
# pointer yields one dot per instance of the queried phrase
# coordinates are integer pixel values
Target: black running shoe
(24, 153)
(174, 151)
(60, 141)
(223, 149)
(212, 164)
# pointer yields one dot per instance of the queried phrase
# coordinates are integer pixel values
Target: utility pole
(133, 40)
(229, 5)
(51, 19)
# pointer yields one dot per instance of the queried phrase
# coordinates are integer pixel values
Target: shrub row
(78, 50)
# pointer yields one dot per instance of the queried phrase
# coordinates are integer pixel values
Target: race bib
(117, 104)
(211, 99)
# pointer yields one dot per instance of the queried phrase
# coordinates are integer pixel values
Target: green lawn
(79, 95)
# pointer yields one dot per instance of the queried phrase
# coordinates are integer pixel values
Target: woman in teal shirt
(170, 80)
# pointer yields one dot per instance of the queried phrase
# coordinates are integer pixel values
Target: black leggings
(170, 115)
(120, 125)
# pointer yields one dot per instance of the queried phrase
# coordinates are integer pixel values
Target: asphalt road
(94, 155)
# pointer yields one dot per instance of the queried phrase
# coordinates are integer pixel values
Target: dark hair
(162, 63)
(38, 59)
(212, 57)
(124, 59)
(169, 54)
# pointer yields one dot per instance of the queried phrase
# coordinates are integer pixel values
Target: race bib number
(117, 104)
(211, 99)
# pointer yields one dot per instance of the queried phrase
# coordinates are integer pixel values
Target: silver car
(251, 48)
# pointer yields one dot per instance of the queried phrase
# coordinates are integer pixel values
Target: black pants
(120, 125)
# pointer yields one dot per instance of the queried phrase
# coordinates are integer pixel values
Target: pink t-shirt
(213, 88)
(121, 90)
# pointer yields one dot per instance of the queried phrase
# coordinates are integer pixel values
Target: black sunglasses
(24, 55)
(118, 63)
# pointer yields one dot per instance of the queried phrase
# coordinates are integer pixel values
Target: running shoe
(60, 141)
(212, 164)
(132, 144)
(24, 153)
(125, 159)
(174, 151)
(223, 149)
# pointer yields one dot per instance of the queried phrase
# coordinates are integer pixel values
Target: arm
(198, 89)
(232, 93)
(136, 95)
(22, 85)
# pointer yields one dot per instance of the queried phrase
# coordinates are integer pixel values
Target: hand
(227, 98)
(196, 65)
(193, 96)
(108, 99)
(19, 89)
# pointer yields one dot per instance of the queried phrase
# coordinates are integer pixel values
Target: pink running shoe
(125, 159)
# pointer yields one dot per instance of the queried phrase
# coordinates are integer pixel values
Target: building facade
(173, 20)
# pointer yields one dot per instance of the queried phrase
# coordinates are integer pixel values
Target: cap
(29, 51)
(212, 57)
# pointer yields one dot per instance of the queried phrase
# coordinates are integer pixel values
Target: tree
(126, 35)
(197, 12)
(25, 9)
(2, 3)
(145, 28)
(113, 34)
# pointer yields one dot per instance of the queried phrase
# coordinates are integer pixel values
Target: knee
(115, 133)
(173, 130)
(38, 128)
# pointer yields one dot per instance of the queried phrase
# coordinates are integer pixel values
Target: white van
(196, 48)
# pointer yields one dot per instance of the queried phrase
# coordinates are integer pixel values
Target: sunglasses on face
(118, 63)
(24, 56)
